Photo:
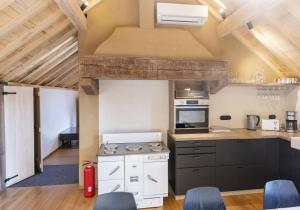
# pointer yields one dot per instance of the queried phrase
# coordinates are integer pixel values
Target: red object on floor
(89, 181)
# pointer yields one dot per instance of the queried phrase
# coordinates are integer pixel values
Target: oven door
(191, 117)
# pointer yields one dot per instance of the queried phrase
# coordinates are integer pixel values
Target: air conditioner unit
(181, 14)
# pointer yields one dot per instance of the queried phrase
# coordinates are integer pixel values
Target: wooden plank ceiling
(39, 43)
(275, 36)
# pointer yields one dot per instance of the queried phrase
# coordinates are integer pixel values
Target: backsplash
(238, 101)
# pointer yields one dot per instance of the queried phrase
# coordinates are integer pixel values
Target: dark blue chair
(280, 194)
(204, 198)
(115, 201)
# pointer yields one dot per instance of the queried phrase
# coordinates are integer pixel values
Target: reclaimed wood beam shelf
(150, 68)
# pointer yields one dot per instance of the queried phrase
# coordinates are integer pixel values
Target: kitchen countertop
(236, 134)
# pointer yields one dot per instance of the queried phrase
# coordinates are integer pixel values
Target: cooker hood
(149, 52)
(196, 88)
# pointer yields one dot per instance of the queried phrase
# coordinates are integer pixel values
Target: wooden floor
(63, 156)
(70, 197)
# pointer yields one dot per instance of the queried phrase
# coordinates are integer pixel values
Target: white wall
(143, 105)
(238, 101)
(58, 112)
(128, 106)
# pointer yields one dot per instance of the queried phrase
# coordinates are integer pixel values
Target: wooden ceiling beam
(40, 56)
(10, 61)
(23, 17)
(90, 86)
(259, 51)
(261, 34)
(251, 43)
(65, 75)
(39, 59)
(52, 63)
(71, 82)
(69, 79)
(5, 3)
(246, 13)
(26, 37)
(71, 62)
(72, 10)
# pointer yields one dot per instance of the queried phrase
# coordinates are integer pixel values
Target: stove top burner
(155, 144)
(156, 149)
(111, 146)
(110, 152)
(134, 147)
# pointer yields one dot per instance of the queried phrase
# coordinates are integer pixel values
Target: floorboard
(65, 197)
(63, 156)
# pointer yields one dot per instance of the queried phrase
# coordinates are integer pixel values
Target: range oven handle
(114, 171)
(152, 179)
(116, 188)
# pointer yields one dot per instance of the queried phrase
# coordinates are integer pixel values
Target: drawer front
(110, 186)
(195, 150)
(195, 143)
(240, 177)
(197, 160)
(110, 158)
(194, 177)
(239, 152)
(111, 170)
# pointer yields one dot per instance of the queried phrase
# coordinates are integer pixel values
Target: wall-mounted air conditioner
(181, 14)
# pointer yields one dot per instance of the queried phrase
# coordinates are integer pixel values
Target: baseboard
(52, 152)
(227, 193)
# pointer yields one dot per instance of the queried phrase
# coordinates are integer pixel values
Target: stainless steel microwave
(191, 116)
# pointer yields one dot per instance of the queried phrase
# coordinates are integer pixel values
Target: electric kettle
(252, 122)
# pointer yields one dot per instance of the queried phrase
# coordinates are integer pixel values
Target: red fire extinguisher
(89, 179)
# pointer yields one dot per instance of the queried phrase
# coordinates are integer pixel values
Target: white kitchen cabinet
(19, 133)
(155, 178)
(110, 186)
(111, 170)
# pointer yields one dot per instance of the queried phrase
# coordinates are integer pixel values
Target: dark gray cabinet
(231, 164)
(240, 164)
(191, 164)
(188, 178)
(240, 177)
(238, 152)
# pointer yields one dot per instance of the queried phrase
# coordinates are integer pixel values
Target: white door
(19, 133)
(155, 178)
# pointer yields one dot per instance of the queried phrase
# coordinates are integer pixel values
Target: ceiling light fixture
(84, 5)
(250, 26)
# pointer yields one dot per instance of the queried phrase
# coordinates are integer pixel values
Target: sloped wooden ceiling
(38, 44)
(275, 36)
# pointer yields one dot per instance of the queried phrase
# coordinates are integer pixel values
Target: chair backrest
(204, 198)
(280, 194)
(115, 201)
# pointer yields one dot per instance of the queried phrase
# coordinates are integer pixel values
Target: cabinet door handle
(240, 167)
(114, 171)
(197, 150)
(196, 170)
(197, 157)
(116, 188)
(152, 179)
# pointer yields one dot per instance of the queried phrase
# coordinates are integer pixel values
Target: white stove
(136, 163)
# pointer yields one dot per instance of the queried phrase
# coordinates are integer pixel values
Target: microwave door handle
(192, 107)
